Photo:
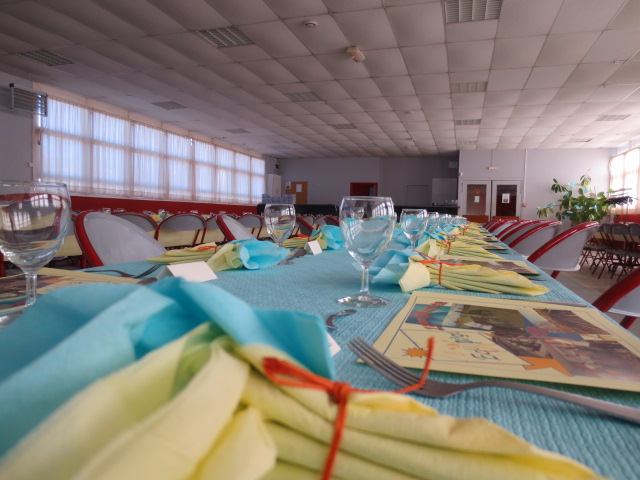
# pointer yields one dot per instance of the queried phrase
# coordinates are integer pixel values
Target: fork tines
(382, 364)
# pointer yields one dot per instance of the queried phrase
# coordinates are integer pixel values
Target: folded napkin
(251, 254)
(433, 248)
(412, 272)
(201, 408)
(202, 252)
(328, 236)
(110, 326)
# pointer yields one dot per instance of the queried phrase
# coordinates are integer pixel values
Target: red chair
(622, 298)
(562, 253)
(142, 220)
(304, 227)
(253, 222)
(232, 229)
(506, 231)
(108, 240)
(533, 236)
(180, 230)
(499, 227)
(519, 229)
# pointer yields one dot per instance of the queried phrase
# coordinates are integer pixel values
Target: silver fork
(434, 389)
(128, 275)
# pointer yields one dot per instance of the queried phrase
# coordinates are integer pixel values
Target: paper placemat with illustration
(517, 266)
(514, 339)
(12, 289)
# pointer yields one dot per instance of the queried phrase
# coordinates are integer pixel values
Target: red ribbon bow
(284, 373)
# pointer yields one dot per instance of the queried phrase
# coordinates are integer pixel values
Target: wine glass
(367, 227)
(413, 222)
(280, 220)
(34, 217)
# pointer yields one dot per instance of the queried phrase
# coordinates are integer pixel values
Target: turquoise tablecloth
(313, 284)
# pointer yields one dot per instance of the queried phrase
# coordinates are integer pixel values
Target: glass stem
(413, 244)
(364, 288)
(32, 285)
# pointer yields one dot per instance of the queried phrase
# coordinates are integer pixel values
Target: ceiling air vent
(474, 121)
(471, 87)
(612, 118)
(466, 143)
(580, 140)
(225, 37)
(303, 97)
(46, 57)
(27, 101)
(169, 105)
(344, 126)
(457, 11)
(237, 130)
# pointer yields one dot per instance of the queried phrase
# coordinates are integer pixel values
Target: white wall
(537, 169)
(15, 134)
(329, 178)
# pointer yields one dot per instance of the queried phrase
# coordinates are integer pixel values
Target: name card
(193, 271)
(313, 247)
(333, 345)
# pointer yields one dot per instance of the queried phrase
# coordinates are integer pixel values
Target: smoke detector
(310, 23)
(356, 54)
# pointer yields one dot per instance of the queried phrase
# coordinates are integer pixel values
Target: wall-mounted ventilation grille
(612, 118)
(169, 105)
(303, 97)
(225, 37)
(27, 101)
(471, 87)
(344, 126)
(456, 11)
(474, 121)
(46, 57)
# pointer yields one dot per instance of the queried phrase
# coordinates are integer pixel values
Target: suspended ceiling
(545, 74)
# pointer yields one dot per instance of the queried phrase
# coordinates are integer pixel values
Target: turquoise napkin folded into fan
(111, 326)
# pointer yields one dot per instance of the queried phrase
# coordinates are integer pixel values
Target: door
(363, 189)
(491, 197)
(299, 189)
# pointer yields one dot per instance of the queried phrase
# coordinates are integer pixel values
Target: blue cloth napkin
(106, 327)
(332, 235)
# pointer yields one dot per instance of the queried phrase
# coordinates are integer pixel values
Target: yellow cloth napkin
(226, 257)
(295, 242)
(433, 248)
(195, 409)
(190, 254)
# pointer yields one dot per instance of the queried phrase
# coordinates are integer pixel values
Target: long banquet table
(313, 283)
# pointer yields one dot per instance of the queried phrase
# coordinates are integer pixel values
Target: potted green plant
(579, 202)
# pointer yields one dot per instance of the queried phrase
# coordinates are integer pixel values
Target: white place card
(333, 345)
(193, 271)
(313, 247)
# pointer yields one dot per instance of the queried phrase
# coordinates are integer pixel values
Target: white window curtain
(625, 180)
(98, 153)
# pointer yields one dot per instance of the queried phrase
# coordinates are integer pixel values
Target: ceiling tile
(417, 24)
(511, 79)
(572, 95)
(461, 100)
(501, 98)
(538, 96)
(430, 84)
(124, 55)
(427, 59)
(342, 6)
(435, 101)
(326, 38)
(306, 69)
(195, 48)
(471, 31)
(585, 15)
(143, 15)
(516, 52)
(406, 102)
(469, 56)
(368, 29)
(569, 48)
(192, 14)
(394, 86)
(361, 88)
(615, 45)
(275, 39)
(385, 63)
(244, 12)
(627, 73)
(296, 8)
(591, 74)
(30, 34)
(524, 18)
(342, 67)
(270, 71)
(612, 93)
(545, 77)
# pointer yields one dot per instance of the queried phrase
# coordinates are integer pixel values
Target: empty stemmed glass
(367, 227)
(414, 223)
(33, 223)
(280, 220)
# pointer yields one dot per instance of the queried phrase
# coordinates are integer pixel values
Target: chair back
(507, 231)
(212, 232)
(496, 229)
(180, 230)
(142, 220)
(252, 222)
(304, 227)
(518, 229)
(563, 252)
(534, 236)
(108, 240)
(622, 298)
(232, 229)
